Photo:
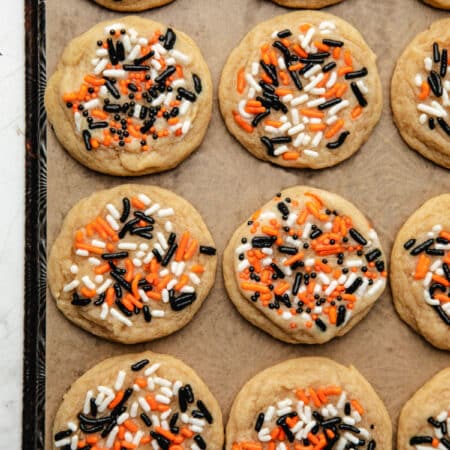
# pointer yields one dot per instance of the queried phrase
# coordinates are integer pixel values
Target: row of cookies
(133, 97)
(135, 263)
(141, 5)
(155, 401)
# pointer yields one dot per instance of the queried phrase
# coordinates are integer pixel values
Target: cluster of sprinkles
(308, 263)
(441, 437)
(432, 252)
(140, 89)
(150, 411)
(131, 261)
(298, 93)
(311, 419)
(434, 88)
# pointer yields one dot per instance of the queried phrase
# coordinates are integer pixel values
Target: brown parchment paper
(385, 179)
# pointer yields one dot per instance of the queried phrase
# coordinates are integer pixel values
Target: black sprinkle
(197, 83)
(139, 365)
(356, 74)
(340, 141)
(206, 250)
(358, 94)
(356, 235)
(87, 140)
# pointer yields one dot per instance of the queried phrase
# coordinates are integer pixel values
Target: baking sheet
(385, 179)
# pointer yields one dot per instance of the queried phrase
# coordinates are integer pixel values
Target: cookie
(139, 401)
(420, 93)
(132, 264)
(132, 5)
(443, 4)
(306, 267)
(424, 420)
(130, 97)
(308, 403)
(421, 271)
(301, 90)
(307, 4)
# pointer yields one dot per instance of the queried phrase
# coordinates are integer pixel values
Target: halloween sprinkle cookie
(130, 97)
(420, 93)
(132, 264)
(307, 4)
(306, 267)
(421, 271)
(443, 4)
(132, 5)
(308, 403)
(424, 422)
(140, 401)
(301, 90)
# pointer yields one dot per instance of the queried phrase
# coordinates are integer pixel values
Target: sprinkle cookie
(130, 97)
(424, 422)
(420, 93)
(140, 401)
(421, 271)
(306, 267)
(132, 5)
(308, 403)
(132, 264)
(301, 90)
(443, 4)
(307, 4)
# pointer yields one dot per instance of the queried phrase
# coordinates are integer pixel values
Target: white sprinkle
(307, 39)
(143, 404)
(101, 66)
(255, 69)
(179, 56)
(423, 118)
(299, 100)
(311, 153)
(362, 86)
(336, 108)
(252, 82)
(428, 63)
(152, 209)
(104, 286)
(162, 240)
(115, 73)
(280, 150)
(317, 139)
(87, 402)
(316, 102)
(332, 81)
(112, 222)
(63, 442)
(88, 282)
(313, 71)
(418, 80)
(71, 286)
(104, 312)
(376, 287)
(121, 318)
(97, 243)
(133, 409)
(120, 379)
(158, 313)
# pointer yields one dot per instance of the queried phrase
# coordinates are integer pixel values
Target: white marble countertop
(12, 168)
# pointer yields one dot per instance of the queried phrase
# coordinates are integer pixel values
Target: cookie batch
(135, 263)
